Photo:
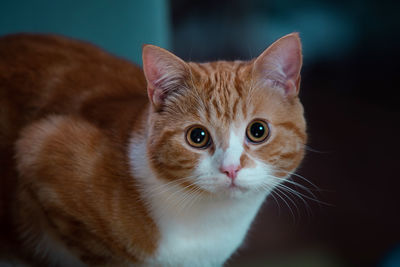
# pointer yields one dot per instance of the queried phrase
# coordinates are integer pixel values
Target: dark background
(350, 83)
(350, 93)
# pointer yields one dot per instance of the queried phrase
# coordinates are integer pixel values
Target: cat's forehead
(224, 88)
(221, 74)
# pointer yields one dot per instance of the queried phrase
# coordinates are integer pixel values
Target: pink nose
(231, 170)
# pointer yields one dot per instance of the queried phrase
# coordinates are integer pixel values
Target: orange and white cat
(115, 166)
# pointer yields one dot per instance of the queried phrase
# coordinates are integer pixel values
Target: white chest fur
(205, 232)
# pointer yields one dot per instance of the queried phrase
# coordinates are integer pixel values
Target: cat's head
(226, 128)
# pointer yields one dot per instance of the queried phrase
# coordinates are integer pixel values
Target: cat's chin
(236, 191)
(232, 191)
(241, 193)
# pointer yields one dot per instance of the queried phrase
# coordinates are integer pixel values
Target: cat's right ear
(164, 73)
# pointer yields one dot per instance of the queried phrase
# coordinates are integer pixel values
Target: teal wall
(120, 27)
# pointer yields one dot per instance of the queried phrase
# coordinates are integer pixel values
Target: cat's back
(42, 74)
(45, 75)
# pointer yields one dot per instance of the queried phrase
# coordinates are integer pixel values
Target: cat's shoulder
(30, 41)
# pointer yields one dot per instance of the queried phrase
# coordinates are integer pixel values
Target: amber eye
(257, 131)
(197, 136)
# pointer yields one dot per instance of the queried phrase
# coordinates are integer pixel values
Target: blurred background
(349, 90)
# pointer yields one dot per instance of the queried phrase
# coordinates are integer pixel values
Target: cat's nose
(230, 170)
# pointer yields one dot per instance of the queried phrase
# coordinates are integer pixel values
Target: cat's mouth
(225, 187)
(235, 188)
(221, 185)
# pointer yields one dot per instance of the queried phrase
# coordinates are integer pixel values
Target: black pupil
(198, 135)
(257, 130)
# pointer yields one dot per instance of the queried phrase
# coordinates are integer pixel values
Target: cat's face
(226, 128)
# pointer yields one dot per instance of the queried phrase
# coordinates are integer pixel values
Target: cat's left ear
(164, 73)
(279, 65)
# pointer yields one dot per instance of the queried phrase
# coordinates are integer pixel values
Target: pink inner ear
(163, 72)
(150, 69)
(291, 64)
(152, 76)
(280, 64)
(152, 72)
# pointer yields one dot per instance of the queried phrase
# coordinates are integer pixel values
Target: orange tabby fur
(69, 109)
(75, 83)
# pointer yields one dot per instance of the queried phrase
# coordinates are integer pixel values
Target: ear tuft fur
(279, 65)
(164, 73)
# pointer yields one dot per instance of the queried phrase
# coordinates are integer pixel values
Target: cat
(113, 165)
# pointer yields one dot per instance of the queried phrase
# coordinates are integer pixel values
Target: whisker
(182, 189)
(277, 203)
(297, 185)
(299, 176)
(270, 189)
(165, 187)
(197, 195)
(282, 191)
(297, 194)
(163, 184)
(181, 203)
(308, 148)
(287, 204)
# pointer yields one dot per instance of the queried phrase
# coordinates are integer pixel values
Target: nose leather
(230, 170)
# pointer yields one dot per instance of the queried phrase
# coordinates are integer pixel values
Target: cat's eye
(257, 131)
(197, 136)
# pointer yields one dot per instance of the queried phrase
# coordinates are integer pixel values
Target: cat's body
(106, 177)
